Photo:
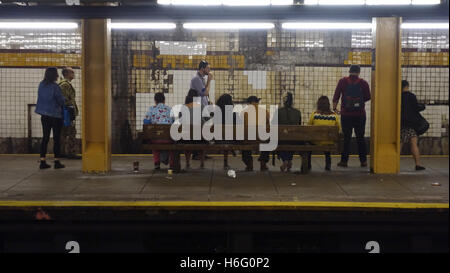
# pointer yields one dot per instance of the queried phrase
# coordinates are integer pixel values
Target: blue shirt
(159, 114)
(50, 100)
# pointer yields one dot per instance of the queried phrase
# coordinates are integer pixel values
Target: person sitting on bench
(324, 116)
(288, 115)
(250, 120)
(160, 114)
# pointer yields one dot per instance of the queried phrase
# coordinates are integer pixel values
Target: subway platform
(21, 180)
(204, 210)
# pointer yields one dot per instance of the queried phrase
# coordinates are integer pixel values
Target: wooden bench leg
(305, 163)
(176, 161)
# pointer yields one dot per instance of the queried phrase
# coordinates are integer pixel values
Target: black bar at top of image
(156, 12)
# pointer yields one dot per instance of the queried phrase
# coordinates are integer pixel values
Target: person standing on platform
(353, 92)
(202, 87)
(410, 120)
(49, 105)
(68, 133)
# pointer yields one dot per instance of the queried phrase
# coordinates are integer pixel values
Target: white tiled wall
(257, 79)
(427, 83)
(436, 116)
(18, 88)
(181, 48)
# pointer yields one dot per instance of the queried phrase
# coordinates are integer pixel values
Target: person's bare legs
(415, 153)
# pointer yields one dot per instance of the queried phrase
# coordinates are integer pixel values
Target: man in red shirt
(353, 92)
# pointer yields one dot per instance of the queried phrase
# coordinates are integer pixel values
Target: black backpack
(353, 99)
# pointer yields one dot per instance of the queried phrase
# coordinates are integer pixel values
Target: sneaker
(364, 164)
(43, 165)
(419, 168)
(342, 164)
(58, 165)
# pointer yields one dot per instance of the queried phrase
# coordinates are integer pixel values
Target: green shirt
(289, 116)
(69, 94)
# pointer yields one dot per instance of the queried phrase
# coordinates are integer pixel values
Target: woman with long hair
(222, 102)
(190, 104)
(324, 116)
(50, 105)
(288, 115)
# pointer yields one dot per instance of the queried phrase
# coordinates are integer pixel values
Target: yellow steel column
(386, 96)
(96, 68)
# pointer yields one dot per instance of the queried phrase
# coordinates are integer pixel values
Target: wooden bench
(295, 138)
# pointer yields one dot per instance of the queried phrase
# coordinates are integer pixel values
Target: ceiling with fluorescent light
(145, 9)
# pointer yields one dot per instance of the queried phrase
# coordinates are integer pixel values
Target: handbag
(421, 126)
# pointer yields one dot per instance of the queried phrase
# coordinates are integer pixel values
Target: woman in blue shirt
(50, 105)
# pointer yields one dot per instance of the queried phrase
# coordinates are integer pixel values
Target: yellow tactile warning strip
(252, 205)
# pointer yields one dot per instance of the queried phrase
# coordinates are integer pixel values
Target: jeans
(359, 124)
(48, 124)
(247, 157)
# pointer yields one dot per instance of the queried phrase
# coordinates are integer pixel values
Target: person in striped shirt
(325, 117)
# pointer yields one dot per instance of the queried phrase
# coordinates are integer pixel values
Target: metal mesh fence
(308, 63)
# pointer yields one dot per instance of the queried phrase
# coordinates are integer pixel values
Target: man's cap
(253, 99)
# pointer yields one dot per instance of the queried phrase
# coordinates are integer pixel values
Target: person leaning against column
(353, 92)
(49, 105)
(68, 133)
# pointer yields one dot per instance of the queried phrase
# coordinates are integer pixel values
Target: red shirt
(340, 91)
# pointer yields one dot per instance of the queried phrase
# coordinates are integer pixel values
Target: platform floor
(20, 179)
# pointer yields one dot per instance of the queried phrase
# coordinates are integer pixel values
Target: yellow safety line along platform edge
(260, 205)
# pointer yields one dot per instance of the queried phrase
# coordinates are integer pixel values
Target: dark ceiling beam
(437, 12)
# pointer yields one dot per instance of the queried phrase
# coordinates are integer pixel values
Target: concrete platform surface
(21, 180)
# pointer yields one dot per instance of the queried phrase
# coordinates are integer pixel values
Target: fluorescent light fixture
(388, 2)
(246, 2)
(330, 25)
(281, 2)
(425, 25)
(426, 2)
(228, 25)
(143, 25)
(38, 25)
(372, 2)
(335, 2)
(190, 2)
(225, 2)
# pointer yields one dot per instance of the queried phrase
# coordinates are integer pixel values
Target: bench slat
(285, 132)
(249, 147)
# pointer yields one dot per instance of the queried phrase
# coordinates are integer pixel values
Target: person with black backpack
(412, 123)
(353, 92)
